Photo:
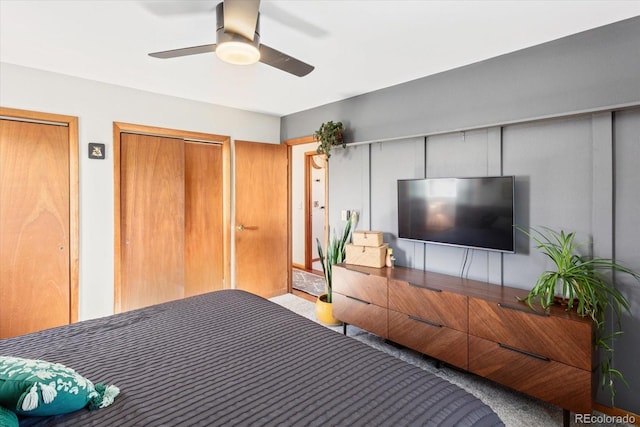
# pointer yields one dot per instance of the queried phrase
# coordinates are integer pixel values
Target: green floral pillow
(37, 387)
(8, 418)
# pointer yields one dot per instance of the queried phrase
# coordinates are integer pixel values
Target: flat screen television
(475, 212)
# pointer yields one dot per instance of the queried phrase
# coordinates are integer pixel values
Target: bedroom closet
(171, 240)
(38, 221)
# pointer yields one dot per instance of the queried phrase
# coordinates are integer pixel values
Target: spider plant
(335, 254)
(583, 284)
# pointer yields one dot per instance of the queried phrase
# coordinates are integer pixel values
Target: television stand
(476, 326)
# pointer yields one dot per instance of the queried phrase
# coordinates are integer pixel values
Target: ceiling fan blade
(193, 50)
(241, 17)
(284, 62)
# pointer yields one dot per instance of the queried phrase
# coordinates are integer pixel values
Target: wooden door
(34, 227)
(261, 218)
(152, 176)
(204, 207)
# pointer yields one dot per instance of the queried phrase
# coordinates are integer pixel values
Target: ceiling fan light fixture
(238, 42)
(238, 52)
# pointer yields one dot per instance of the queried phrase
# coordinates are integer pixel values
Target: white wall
(97, 106)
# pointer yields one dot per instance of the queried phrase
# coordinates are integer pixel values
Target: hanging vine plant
(328, 136)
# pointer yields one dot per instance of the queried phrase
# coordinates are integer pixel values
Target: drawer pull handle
(417, 319)
(522, 309)
(429, 288)
(526, 353)
(358, 300)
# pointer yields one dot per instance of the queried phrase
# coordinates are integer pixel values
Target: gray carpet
(515, 409)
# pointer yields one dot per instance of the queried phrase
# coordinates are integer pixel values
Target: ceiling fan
(238, 40)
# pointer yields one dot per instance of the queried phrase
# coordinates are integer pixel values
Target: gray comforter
(233, 358)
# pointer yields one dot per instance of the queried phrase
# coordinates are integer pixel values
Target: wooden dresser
(475, 326)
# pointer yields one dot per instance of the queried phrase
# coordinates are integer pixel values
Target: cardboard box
(367, 256)
(367, 238)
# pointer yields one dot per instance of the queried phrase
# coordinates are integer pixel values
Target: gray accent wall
(562, 117)
(592, 70)
(627, 248)
(400, 160)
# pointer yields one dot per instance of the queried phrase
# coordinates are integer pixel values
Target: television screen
(468, 212)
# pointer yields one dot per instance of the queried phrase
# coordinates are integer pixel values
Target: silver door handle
(243, 227)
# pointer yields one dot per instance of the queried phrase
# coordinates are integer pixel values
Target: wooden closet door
(204, 264)
(34, 227)
(152, 178)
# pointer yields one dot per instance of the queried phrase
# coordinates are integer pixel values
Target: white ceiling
(356, 46)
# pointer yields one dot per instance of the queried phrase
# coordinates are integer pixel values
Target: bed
(233, 358)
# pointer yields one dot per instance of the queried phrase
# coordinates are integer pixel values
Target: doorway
(308, 208)
(305, 168)
(316, 195)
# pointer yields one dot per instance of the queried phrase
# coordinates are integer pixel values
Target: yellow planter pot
(324, 312)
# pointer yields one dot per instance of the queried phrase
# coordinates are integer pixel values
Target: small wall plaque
(96, 151)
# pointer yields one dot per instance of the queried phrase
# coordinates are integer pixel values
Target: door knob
(240, 227)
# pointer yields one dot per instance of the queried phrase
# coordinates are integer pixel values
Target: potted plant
(334, 254)
(328, 135)
(579, 281)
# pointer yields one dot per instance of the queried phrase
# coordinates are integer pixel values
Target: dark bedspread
(233, 358)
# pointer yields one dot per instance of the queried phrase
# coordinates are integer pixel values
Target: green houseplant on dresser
(581, 283)
(329, 135)
(334, 254)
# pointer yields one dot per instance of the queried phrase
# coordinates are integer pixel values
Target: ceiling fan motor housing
(239, 54)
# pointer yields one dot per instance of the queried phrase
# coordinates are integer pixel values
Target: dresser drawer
(560, 339)
(440, 342)
(365, 315)
(360, 285)
(429, 303)
(555, 382)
